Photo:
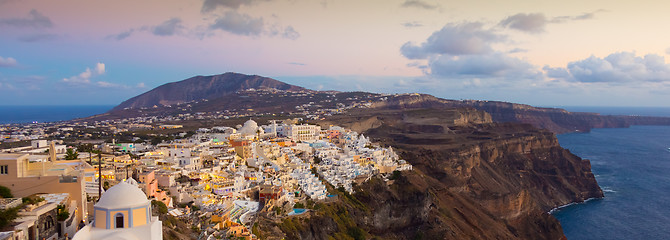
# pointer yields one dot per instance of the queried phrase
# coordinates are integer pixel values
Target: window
(119, 220)
(48, 223)
(4, 169)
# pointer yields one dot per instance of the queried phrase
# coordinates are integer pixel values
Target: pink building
(166, 179)
(148, 183)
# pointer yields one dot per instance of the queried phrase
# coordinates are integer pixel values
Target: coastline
(556, 209)
(17, 114)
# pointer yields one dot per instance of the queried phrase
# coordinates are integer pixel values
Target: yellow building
(123, 212)
(25, 177)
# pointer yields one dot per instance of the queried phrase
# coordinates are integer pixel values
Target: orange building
(242, 148)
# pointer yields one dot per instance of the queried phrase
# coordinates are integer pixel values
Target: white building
(123, 212)
(304, 132)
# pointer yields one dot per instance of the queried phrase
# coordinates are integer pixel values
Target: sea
(632, 167)
(29, 114)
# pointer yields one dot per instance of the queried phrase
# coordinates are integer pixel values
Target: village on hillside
(216, 180)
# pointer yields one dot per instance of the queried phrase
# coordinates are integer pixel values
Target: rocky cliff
(472, 180)
(553, 119)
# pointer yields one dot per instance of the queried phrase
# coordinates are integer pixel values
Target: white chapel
(123, 212)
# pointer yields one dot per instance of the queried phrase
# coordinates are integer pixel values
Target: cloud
(38, 37)
(290, 33)
(285, 32)
(297, 63)
(464, 51)
(667, 51)
(412, 24)
(85, 77)
(104, 84)
(231, 21)
(556, 73)
(34, 20)
(487, 65)
(240, 24)
(28, 82)
(531, 22)
(419, 4)
(536, 22)
(454, 39)
(584, 16)
(122, 35)
(168, 28)
(100, 68)
(616, 68)
(518, 50)
(107, 84)
(8, 62)
(211, 5)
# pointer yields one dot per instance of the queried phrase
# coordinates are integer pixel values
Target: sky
(542, 53)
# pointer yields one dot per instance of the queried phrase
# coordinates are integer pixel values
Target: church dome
(249, 127)
(122, 195)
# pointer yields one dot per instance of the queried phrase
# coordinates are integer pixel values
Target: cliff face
(474, 180)
(202, 87)
(553, 119)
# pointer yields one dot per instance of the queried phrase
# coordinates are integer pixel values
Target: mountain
(202, 87)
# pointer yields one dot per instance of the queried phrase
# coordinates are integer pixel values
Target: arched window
(119, 220)
(48, 223)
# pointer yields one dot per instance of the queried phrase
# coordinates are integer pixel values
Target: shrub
(162, 209)
(356, 233)
(395, 175)
(5, 192)
(7, 216)
(63, 213)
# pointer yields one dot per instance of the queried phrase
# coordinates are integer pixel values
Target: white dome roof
(249, 127)
(122, 195)
(121, 235)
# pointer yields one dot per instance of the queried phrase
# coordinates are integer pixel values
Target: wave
(552, 211)
(608, 190)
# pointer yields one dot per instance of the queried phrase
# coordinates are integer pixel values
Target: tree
(7, 216)
(71, 154)
(86, 147)
(63, 213)
(5, 192)
(162, 208)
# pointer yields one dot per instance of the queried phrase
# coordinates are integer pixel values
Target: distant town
(213, 181)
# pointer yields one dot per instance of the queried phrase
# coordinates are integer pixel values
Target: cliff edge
(471, 179)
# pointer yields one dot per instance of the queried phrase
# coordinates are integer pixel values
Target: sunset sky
(543, 53)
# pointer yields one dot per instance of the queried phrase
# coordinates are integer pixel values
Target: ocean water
(27, 114)
(632, 166)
